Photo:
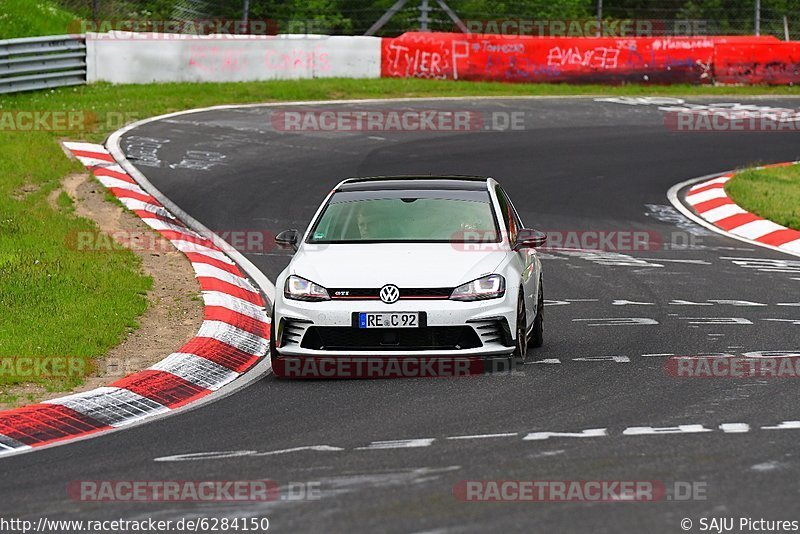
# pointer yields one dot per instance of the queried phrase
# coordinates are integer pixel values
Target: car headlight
(487, 287)
(297, 288)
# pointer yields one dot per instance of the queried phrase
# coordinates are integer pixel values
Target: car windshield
(406, 216)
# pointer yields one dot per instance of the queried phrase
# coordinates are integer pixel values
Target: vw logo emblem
(389, 294)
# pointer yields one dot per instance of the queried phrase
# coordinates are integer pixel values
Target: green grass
(772, 193)
(31, 18)
(57, 301)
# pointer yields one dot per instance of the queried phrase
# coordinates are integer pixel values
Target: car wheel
(521, 348)
(277, 368)
(537, 335)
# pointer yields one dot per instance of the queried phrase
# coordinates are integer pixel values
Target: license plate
(388, 320)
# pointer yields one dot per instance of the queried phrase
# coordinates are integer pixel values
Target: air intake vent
(493, 330)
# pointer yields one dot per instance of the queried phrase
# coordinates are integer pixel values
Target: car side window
(510, 219)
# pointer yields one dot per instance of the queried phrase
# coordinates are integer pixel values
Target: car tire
(277, 368)
(537, 334)
(521, 338)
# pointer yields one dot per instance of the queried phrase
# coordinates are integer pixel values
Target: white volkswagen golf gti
(411, 266)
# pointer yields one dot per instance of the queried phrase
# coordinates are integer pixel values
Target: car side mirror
(528, 238)
(287, 239)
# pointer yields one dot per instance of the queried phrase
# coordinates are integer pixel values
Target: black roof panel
(422, 182)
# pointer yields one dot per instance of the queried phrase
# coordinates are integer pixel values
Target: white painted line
(732, 302)
(680, 302)
(588, 433)
(482, 436)
(618, 321)
(615, 359)
(717, 320)
(785, 425)
(649, 430)
(735, 428)
(551, 361)
(694, 262)
(398, 444)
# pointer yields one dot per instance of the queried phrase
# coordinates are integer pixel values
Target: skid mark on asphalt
(630, 432)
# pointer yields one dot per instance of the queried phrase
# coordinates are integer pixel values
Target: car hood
(404, 265)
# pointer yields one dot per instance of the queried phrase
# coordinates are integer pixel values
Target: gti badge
(389, 294)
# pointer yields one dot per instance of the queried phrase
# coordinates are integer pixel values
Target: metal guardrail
(42, 62)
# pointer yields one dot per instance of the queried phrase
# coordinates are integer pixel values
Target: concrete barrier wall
(146, 58)
(758, 63)
(609, 60)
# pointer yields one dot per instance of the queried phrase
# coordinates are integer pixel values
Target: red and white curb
(712, 205)
(232, 339)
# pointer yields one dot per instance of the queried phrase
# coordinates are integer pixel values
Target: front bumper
(491, 321)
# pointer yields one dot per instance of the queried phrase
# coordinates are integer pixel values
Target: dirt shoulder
(175, 309)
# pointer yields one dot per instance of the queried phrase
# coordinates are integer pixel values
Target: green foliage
(30, 18)
(772, 193)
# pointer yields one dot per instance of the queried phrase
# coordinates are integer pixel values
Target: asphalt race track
(383, 451)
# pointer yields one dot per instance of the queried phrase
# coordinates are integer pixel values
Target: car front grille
(405, 293)
(423, 338)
